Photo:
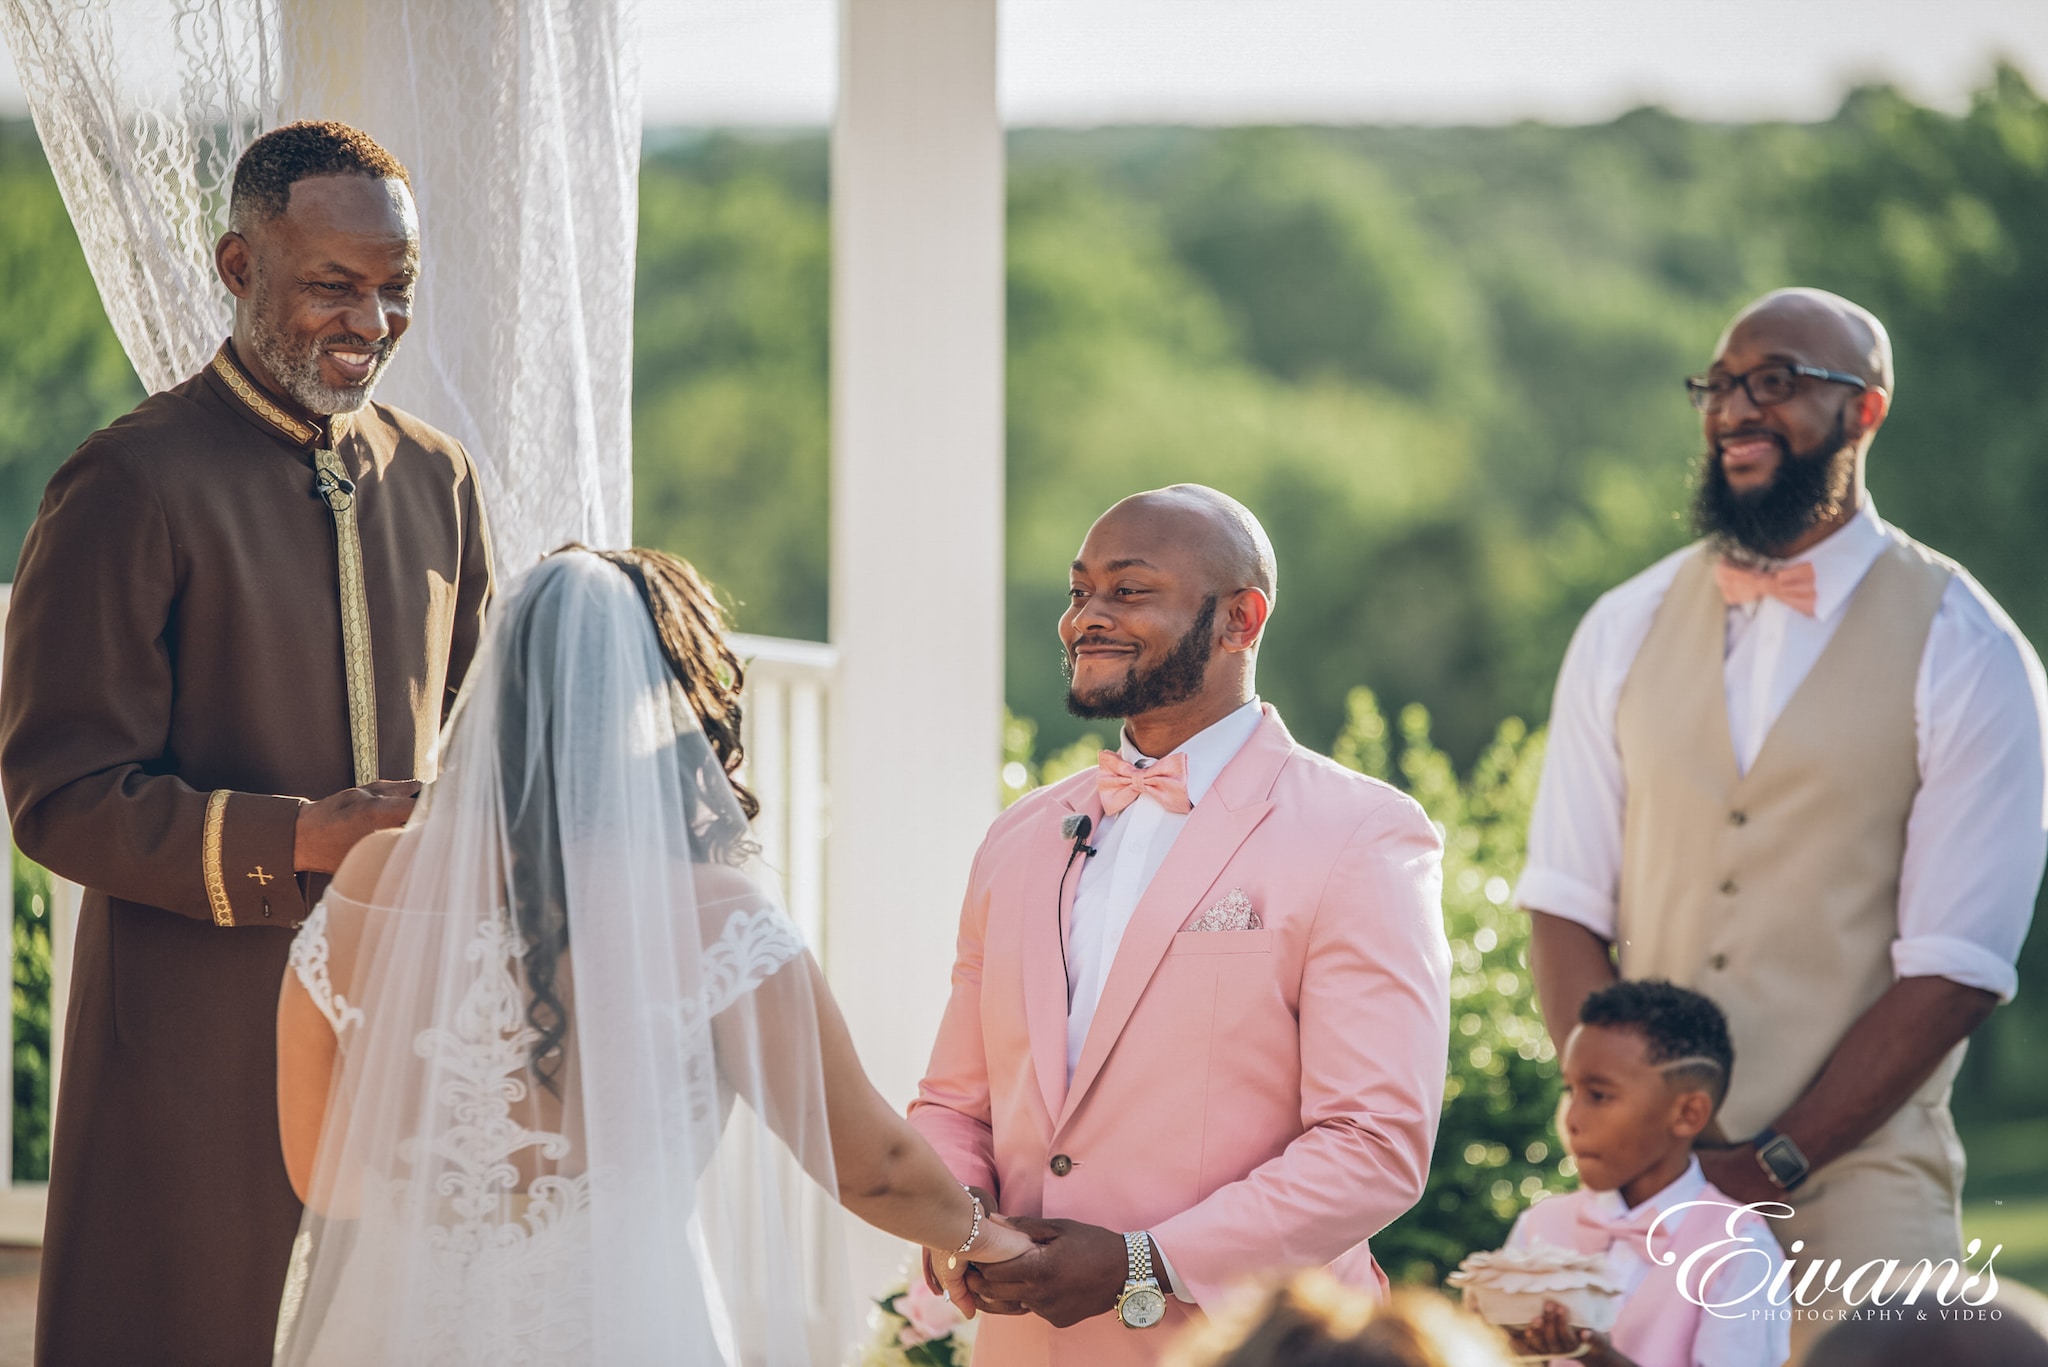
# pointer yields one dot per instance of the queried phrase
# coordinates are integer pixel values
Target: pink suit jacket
(1258, 1099)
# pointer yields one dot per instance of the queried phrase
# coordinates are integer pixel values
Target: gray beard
(295, 368)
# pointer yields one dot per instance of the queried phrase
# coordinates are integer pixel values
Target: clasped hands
(1063, 1271)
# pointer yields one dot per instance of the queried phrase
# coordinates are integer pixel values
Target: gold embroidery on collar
(216, 886)
(355, 614)
(263, 408)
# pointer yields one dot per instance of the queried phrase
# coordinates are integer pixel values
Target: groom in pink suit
(1201, 1002)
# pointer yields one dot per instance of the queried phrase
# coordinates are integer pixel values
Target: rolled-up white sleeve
(1978, 831)
(1574, 865)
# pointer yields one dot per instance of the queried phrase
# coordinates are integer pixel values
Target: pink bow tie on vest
(1121, 782)
(1792, 586)
(1600, 1229)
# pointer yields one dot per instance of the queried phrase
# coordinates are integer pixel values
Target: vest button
(1061, 1165)
(1718, 961)
(1738, 818)
(1728, 888)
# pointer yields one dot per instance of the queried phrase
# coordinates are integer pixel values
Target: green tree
(62, 373)
(730, 336)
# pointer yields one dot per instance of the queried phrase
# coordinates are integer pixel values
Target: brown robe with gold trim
(174, 688)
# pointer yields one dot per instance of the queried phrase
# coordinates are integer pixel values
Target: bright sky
(771, 62)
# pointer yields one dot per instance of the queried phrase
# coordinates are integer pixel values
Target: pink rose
(930, 1317)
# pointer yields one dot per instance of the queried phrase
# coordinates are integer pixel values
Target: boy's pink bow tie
(1632, 1227)
(1792, 585)
(1121, 782)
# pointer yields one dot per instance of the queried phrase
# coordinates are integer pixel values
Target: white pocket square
(1232, 913)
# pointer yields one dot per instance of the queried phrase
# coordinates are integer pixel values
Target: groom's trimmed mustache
(1101, 643)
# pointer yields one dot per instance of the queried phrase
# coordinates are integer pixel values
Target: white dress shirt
(1742, 1341)
(1978, 830)
(1130, 848)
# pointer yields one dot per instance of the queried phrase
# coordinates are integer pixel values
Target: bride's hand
(998, 1242)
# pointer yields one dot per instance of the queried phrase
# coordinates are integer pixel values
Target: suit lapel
(1045, 978)
(1234, 807)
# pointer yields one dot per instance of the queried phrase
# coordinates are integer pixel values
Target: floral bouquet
(911, 1327)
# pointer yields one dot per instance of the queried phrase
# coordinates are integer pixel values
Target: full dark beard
(1174, 679)
(1809, 488)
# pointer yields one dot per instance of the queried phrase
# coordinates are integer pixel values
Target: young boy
(1644, 1071)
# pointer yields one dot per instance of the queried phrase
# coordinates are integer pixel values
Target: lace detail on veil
(308, 959)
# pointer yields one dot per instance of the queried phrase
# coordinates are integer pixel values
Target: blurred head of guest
(1311, 1320)
(2007, 1341)
(1644, 1071)
(1799, 384)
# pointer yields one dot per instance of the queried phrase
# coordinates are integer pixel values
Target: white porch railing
(788, 691)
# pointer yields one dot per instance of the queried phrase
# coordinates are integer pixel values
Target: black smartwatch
(1780, 1159)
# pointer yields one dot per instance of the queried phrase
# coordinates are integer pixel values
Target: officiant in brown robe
(238, 622)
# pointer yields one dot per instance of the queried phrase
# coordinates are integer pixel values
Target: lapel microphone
(1074, 828)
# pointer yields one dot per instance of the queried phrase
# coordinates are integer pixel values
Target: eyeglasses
(1766, 386)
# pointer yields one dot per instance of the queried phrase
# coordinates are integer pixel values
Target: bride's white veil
(578, 1110)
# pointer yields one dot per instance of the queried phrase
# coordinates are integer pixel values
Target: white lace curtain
(519, 121)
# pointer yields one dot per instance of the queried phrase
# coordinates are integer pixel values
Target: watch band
(1138, 1246)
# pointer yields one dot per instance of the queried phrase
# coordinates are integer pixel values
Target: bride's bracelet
(973, 1231)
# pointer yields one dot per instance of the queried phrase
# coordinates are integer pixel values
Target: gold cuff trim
(339, 493)
(216, 886)
(258, 402)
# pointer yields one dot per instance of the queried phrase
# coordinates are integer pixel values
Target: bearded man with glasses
(1798, 767)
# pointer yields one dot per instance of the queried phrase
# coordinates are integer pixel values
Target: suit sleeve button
(1061, 1165)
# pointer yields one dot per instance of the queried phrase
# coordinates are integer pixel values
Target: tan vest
(1776, 892)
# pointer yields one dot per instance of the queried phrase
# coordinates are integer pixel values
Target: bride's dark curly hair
(708, 674)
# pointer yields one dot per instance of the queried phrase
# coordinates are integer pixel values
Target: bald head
(1825, 329)
(1228, 543)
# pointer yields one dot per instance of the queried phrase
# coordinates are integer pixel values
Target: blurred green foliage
(62, 374)
(31, 1129)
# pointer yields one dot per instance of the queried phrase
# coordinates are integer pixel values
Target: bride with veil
(556, 1071)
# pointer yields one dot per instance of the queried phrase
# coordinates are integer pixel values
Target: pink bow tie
(1631, 1227)
(1121, 782)
(1792, 586)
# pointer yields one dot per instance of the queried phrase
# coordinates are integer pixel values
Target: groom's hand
(1076, 1273)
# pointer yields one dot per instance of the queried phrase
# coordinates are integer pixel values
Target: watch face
(1783, 1163)
(1142, 1307)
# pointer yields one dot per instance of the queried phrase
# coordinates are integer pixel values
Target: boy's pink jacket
(1259, 1100)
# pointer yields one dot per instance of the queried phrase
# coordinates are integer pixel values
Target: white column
(917, 511)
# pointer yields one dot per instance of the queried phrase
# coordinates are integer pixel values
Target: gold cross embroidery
(261, 877)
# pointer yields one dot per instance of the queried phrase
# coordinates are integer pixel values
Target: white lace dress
(509, 1238)
(521, 1240)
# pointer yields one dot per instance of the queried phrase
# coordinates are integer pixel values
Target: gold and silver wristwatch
(1142, 1304)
